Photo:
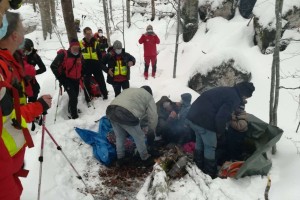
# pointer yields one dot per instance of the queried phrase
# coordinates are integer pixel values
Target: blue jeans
(206, 140)
(138, 137)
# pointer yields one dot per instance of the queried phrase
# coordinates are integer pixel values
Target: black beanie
(245, 88)
(147, 88)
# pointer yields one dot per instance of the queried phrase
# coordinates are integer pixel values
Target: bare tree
(53, 13)
(128, 13)
(275, 74)
(152, 10)
(177, 38)
(34, 5)
(44, 6)
(111, 14)
(69, 19)
(106, 22)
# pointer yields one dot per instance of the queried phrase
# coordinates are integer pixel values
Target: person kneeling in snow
(124, 113)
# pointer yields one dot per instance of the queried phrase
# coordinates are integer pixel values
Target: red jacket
(11, 167)
(150, 41)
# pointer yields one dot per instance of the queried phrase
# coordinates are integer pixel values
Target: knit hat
(147, 88)
(117, 45)
(74, 42)
(245, 88)
(149, 27)
(186, 98)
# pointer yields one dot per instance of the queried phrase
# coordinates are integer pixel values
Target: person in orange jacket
(14, 111)
(150, 40)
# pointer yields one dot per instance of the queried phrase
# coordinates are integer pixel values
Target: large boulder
(264, 36)
(225, 9)
(226, 74)
(189, 14)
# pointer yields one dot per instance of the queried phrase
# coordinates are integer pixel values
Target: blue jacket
(213, 108)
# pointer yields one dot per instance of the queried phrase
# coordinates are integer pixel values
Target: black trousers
(97, 72)
(120, 85)
(72, 88)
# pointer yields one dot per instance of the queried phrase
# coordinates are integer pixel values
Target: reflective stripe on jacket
(12, 137)
(120, 69)
(88, 52)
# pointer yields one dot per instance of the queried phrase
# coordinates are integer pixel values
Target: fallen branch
(282, 87)
(267, 189)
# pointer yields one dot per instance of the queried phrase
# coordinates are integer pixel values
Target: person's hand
(48, 99)
(173, 115)
(130, 63)
(110, 72)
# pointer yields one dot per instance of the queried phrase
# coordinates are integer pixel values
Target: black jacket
(34, 59)
(212, 110)
(110, 61)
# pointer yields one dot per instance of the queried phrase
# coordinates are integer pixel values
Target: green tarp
(261, 136)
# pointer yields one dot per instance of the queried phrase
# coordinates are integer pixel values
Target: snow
(221, 40)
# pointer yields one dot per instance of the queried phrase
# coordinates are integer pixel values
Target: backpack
(95, 89)
(7, 83)
(70, 67)
(230, 169)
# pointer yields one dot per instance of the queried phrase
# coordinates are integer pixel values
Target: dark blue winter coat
(212, 110)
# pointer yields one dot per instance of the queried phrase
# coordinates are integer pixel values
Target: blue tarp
(103, 151)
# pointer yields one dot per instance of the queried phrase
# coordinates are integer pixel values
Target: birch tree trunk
(44, 6)
(152, 10)
(128, 13)
(53, 12)
(111, 14)
(275, 72)
(106, 22)
(177, 38)
(69, 19)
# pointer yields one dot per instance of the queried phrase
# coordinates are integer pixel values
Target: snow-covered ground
(224, 40)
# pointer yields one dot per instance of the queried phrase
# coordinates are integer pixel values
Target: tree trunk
(69, 19)
(190, 18)
(177, 38)
(275, 74)
(128, 13)
(111, 14)
(53, 13)
(106, 22)
(44, 6)
(123, 32)
(34, 5)
(152, 10)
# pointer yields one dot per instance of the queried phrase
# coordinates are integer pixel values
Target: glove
(45, 100)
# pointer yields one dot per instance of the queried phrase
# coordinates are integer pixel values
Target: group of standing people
(91, 56)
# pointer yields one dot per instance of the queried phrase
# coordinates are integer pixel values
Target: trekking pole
(298, 127)
(59, 148)
(59, 94)
(250, 20)
(88, 94)
(41, 156)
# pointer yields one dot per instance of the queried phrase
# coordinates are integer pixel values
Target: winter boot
(148, 162)
(146, 75)
(210, 168)
(199, 159)
(153, 74)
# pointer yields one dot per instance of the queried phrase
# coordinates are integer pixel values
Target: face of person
(4, 6)
(18, 36)
(88, 34)
(75, 49)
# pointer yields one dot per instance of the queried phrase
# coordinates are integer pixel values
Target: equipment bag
(229, 169)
